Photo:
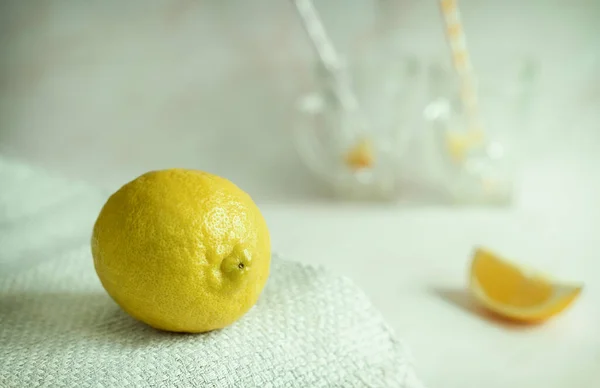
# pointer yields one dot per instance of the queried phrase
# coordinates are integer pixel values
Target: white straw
(462, 61)
(328, 56)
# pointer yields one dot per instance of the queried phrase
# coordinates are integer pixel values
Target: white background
(103, 91)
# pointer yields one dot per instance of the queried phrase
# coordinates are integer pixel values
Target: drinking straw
(336, 72)
(462, 64)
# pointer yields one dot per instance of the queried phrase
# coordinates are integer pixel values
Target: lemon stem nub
(241, 265)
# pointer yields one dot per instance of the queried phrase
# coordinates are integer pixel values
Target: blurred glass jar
(481, 167)
(416, 129)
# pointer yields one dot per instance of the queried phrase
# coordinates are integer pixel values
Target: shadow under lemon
(462, 298)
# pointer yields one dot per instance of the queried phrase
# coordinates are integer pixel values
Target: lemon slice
(361, 155)
(459, 144)
(516, 292)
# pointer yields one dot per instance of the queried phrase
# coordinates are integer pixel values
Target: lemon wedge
(516, 292)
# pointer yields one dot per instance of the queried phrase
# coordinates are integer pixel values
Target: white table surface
(105, 92)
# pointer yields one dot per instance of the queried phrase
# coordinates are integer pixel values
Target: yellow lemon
(518, 293)
(182, 250)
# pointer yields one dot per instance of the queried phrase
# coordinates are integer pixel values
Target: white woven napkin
(58, 328)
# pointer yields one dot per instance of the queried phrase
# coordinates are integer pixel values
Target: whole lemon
(182, 250)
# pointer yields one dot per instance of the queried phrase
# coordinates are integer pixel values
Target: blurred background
(104, 91)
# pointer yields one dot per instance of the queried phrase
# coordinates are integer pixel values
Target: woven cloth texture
(58, 328)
